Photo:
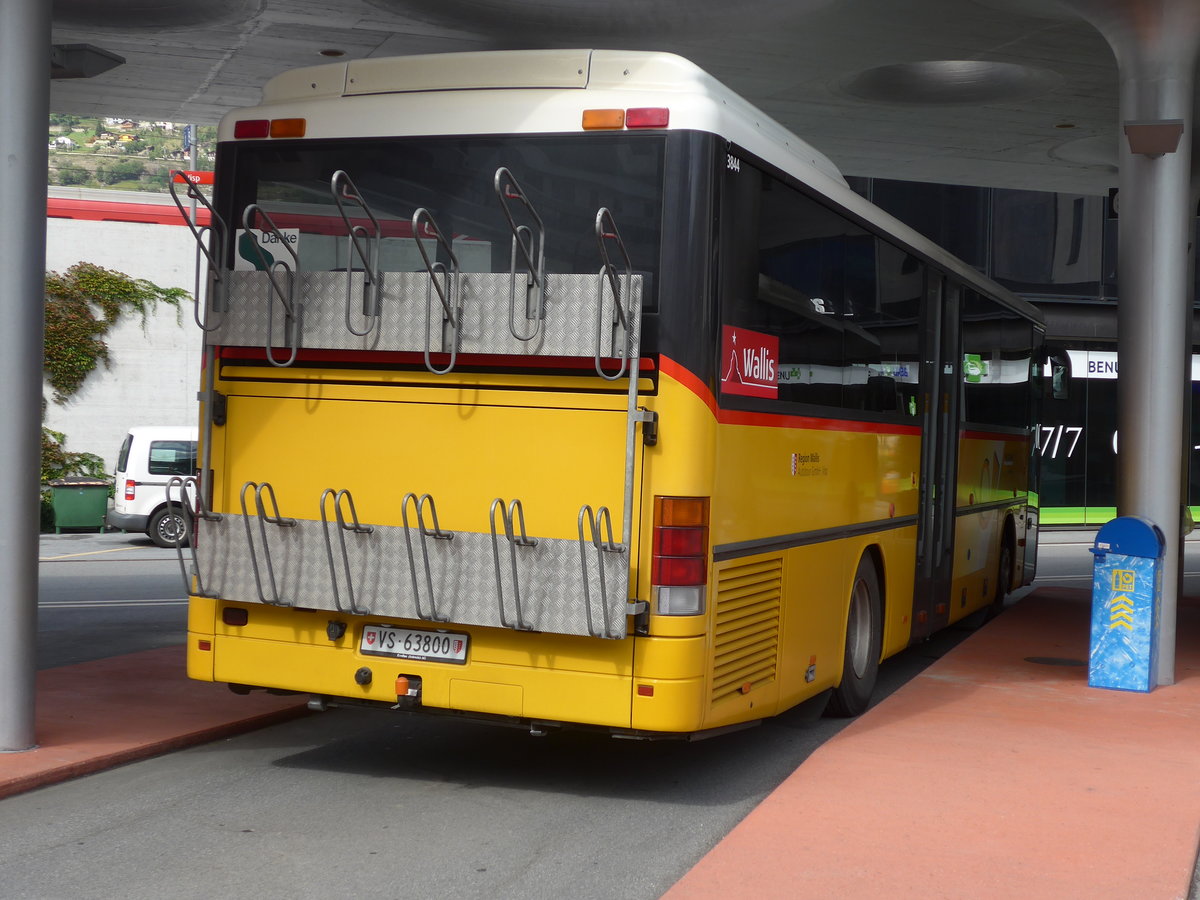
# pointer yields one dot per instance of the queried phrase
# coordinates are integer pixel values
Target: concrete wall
(155, 371)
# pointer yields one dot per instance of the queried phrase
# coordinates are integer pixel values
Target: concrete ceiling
(1010, 93)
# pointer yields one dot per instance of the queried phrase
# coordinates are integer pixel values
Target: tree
(121, 170)
(73, 175)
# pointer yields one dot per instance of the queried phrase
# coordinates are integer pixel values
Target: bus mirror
(1059, 365)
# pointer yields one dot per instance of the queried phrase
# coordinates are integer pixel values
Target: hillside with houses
(124, 154)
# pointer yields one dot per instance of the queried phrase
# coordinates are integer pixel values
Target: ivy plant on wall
(82, 305)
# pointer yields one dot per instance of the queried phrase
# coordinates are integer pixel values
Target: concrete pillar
(1155, 43)
(25, 102)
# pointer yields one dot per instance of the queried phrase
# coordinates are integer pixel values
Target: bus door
(939, 456)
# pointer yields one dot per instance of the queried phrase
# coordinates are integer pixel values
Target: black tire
(864, 642)
(1004, 574)
(166, 526)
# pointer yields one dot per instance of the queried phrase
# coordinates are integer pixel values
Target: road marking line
(88, 553)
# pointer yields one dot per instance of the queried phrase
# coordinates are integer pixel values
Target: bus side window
(841, 303)
(997, 364)
(891, 315)
(784, 265)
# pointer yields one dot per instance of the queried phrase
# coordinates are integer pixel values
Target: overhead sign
(189, 177)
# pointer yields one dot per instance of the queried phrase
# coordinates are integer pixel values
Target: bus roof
(696, 99)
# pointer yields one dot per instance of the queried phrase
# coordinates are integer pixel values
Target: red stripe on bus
(407, 357)
(812, 423)
(688, 379)
(116, 211)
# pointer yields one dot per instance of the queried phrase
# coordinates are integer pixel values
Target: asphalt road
(102, 595)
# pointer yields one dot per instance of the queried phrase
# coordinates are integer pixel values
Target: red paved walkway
(989, 776)
(100, 714)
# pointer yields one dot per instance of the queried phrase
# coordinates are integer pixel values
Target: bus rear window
(566, 179)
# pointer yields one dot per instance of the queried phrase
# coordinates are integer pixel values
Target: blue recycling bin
(1126, 587)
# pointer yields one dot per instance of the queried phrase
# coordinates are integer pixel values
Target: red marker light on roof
(647, 117)
(252, 128)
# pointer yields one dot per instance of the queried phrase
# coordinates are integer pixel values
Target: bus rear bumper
(521, 693)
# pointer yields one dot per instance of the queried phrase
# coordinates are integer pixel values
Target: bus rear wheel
(1004, 575)
(864, 639)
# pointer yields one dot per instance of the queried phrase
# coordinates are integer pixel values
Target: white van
(150, 457)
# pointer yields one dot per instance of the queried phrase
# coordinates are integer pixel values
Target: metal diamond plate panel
(386, 575)
(579, 319)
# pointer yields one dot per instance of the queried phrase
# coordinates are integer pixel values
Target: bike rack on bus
(629, 321)
(263, 519)
(344, 191)
(189, 509)
(436, 534)
(451, 304)
(342, 527)
(218, 285)
(524, 240)
(291, 306)
(517, 511)
(596, 520)
(606, 231)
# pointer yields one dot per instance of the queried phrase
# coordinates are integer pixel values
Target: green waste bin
(78, 502)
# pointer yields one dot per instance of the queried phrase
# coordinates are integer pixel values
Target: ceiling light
(950, 81)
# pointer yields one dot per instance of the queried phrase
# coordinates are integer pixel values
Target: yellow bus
(567, 388)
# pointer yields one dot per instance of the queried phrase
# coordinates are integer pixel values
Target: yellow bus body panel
(773, 629)
(992, 472)
(465, 456)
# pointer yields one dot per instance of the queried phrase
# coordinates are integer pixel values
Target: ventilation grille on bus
(746, 641)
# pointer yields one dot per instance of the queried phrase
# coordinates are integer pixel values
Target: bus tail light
(130, 489)
(679, 571)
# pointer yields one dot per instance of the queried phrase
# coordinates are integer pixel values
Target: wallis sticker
(749, 362)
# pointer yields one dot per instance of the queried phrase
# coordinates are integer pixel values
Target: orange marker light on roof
(288, 128)
(598, 119)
